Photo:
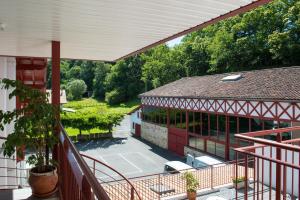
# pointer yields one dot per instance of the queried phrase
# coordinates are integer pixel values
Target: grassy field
(94, 106)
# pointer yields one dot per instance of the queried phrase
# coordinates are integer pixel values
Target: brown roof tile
(267, 84)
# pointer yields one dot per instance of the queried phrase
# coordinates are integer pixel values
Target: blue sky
(174, 42)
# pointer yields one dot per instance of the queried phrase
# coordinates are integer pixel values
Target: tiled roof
(267, 84)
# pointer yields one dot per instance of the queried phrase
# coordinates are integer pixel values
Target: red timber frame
(31, 72)
(275, 111)
(267, 110)
(275, 163)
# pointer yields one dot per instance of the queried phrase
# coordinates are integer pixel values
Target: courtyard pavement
(129, 155)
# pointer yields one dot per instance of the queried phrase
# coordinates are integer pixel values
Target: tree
(75, 89)
(123, 82)
(101, 70)
(74, 73)
(115, 96)
(161, 66)
(87, 73)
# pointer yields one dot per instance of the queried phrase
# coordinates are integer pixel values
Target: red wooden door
(137, 130)
(177, 140)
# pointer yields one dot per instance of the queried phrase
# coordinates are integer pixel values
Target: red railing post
(86, 189)
(236, 174)
(94, 165)
(246, 178)
(159, 185)
(132, 193)
(211, 177)
(278, 169)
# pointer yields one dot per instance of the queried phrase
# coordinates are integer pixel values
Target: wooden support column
(55, 73)
(168, 118)
(56, 85)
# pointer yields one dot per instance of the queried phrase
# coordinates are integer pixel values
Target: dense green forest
(268, 36)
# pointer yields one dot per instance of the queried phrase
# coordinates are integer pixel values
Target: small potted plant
(34, 126)
(191, 185)
(239, 182)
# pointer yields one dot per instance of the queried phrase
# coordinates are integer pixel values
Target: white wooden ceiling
(99, 29)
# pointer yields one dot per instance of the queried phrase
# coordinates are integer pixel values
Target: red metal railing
(276, 165)
(115, 184)
(76, 179)
(169, 185)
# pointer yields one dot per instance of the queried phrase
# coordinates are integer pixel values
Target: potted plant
(239, 182)
(191, 185)
(34, 126)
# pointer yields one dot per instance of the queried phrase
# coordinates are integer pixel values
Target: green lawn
(94, 106)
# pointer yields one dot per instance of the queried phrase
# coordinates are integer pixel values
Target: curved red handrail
(64, 139)
(97, 161)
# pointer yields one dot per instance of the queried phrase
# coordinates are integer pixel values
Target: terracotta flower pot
(191, 195)
(239, 185)
(43, 184)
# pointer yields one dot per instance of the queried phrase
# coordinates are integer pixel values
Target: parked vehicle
(173, 167)
(203, 161)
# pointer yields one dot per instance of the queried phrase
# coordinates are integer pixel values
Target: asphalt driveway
(131, 156)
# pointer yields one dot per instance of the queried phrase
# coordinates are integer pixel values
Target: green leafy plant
(87, 121)
(34, 125)
(75, 89)
(191, 182)
(236, 180)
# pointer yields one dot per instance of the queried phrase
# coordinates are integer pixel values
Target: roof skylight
(232, 77)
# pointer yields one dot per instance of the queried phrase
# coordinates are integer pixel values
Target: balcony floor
(22, 194)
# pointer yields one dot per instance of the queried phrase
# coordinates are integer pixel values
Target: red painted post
(55, 73)
(227, 139)
(187, 128)
(56, 84)
(132, 193)
(168, 118)
(86, 188)
(278, 169)
(246, 178)
(211, 178)
(236, 174)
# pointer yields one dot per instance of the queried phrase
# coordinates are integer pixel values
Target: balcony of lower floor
(266, 170)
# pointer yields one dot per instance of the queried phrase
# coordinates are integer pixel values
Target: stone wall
(155, 134)
(296, 134)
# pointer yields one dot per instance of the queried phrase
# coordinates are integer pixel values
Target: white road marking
(139, 169)
(149, 159)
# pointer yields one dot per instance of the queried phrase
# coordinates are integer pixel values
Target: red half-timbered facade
(209, 111)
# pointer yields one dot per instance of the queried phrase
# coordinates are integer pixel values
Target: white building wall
(7, 70)
(135, 118)
(289, 171)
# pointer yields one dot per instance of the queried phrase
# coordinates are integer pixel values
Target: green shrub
(75, 89)
(191, 182)
(236, 180)
(115, 96)
(86, 121)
